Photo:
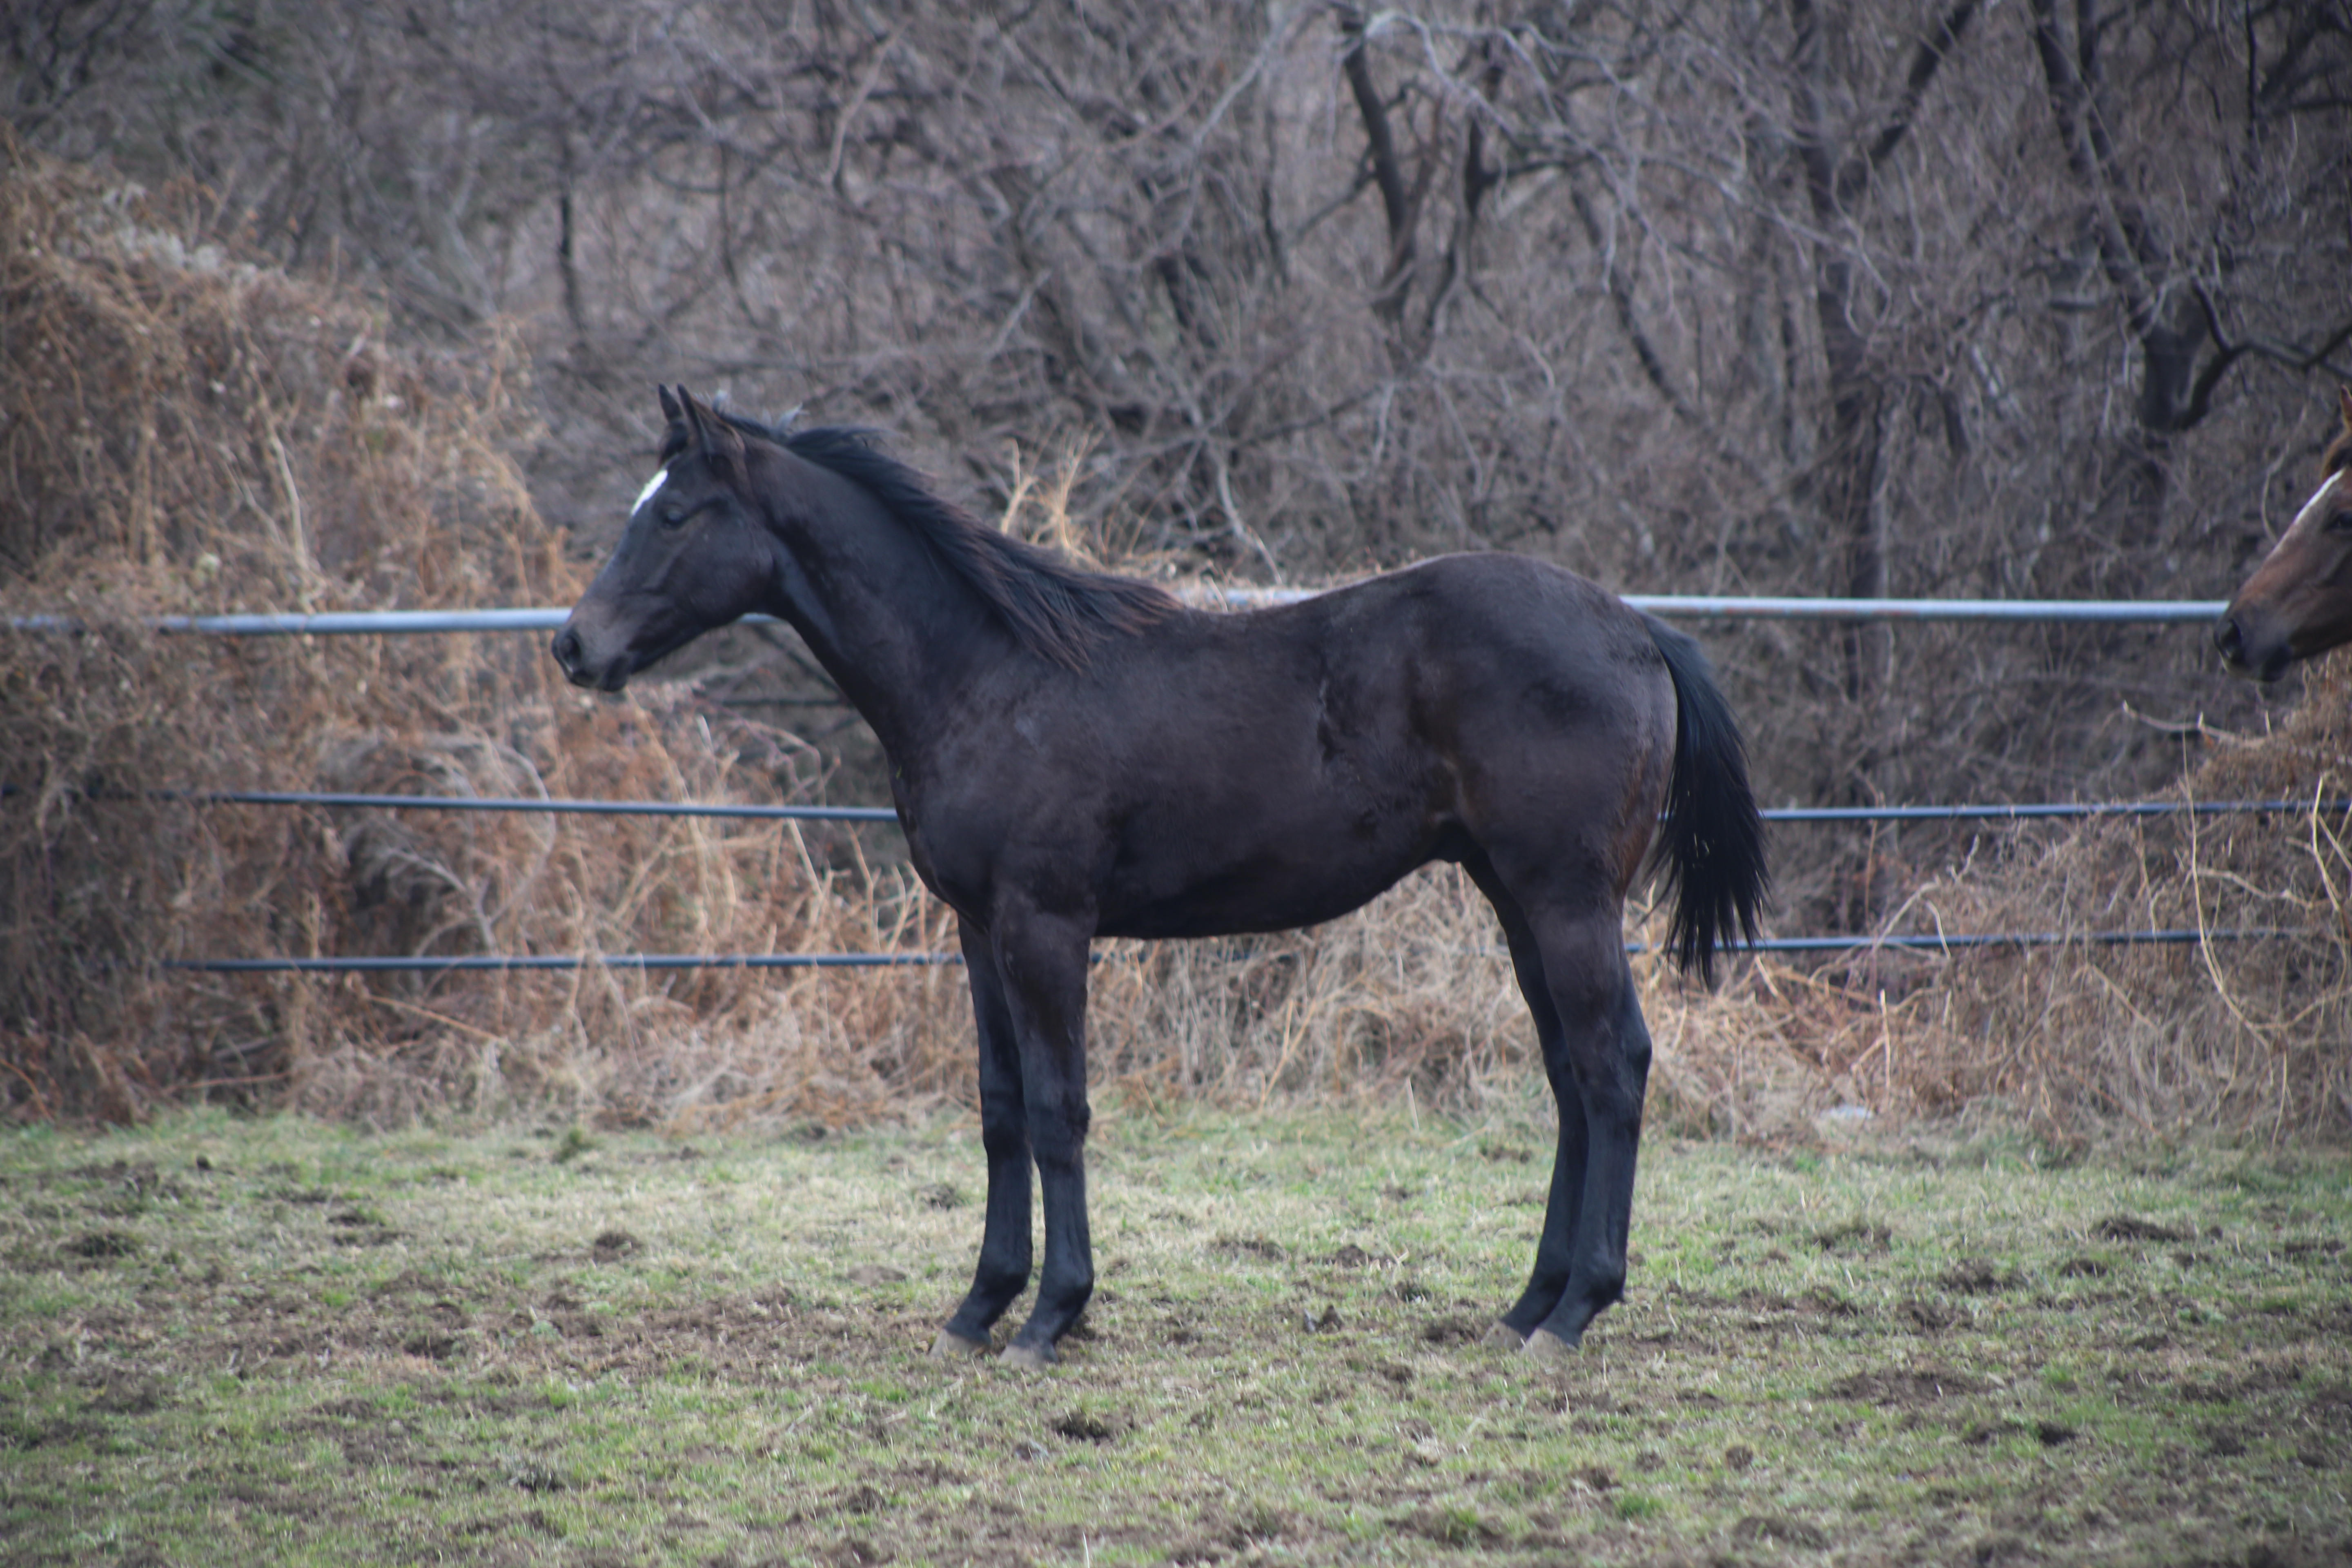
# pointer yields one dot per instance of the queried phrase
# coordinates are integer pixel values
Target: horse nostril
(567, 649)
(2228, 640)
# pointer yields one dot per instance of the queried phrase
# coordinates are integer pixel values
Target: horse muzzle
(2251, 649)
(581, 668)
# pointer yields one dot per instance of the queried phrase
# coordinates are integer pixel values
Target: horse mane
(1053, 608)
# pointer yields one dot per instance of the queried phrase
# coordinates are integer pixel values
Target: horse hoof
(950, 1345)
(1503, 1337)
(1544, 1345)
(1027, 1358)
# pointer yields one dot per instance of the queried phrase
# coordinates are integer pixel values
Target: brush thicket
(187, 434)
(2246, 1026)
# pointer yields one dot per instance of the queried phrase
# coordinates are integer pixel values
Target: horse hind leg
(1596, 1051)
(1607, 1050)
(1554, 1249)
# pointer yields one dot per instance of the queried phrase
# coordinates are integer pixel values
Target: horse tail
(1711, 850)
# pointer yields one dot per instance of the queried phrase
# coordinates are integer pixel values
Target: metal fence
(1682, 606)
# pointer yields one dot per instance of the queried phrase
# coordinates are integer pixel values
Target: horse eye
(672, 516)
(2340, 523)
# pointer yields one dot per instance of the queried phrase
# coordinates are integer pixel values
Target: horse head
(2298, 603)
(692, 557)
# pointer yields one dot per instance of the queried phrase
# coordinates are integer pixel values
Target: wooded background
(2012, 299)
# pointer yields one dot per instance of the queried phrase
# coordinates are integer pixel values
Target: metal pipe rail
(1933, 942)
(492, 962)
(1732, 607)
(556, 804)
(1693, 606)
(497, 962)
(2033, 811)
(2024, 811)
(502, 963)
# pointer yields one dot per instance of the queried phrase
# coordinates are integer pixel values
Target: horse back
(1276, 768)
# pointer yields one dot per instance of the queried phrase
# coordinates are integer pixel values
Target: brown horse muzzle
(2252, 646)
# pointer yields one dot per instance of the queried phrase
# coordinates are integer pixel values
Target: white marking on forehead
(2309, 514)
(646, 494)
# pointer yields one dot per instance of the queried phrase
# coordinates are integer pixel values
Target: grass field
(275, 1341)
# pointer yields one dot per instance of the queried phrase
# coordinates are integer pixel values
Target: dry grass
(2246, 1034)
(181, 432)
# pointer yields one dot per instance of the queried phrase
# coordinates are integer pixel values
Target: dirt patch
(1854, 1236)
(2049, 1434)
(124, 1394)
(613, 1244)
(1779, 1530)
(1084, 1425)
(1927, 1317)
(1457, 1330)
(1905, 1386)
(1458, 1526)
(103, 1245)
(2130, 1227)
(1976, 1277)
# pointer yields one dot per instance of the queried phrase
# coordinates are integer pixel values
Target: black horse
(1076, 755)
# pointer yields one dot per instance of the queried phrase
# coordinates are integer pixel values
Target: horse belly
(1215, 883)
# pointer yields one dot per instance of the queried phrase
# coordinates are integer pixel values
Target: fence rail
(559, 805)
(1685, 607)
(494, 962)
(1911, 942)
(499, 961)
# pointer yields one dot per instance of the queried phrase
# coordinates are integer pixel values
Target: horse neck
(899, 631)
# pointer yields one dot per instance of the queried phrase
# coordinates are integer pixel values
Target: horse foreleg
(1044, 964)
(1005, 1254)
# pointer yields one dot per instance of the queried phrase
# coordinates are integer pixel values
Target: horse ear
(2344, 402)
(670, 409)
(713, 437)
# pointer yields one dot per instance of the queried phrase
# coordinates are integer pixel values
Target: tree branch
(2301, 361)
(1932, 52)
(1477, 179)
(1620, 300)
(1396, 202)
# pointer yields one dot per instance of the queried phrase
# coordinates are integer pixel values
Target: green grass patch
(292, 1342)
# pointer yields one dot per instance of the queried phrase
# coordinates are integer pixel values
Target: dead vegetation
(2243, 1025)
(184, 434)
(182, 431)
